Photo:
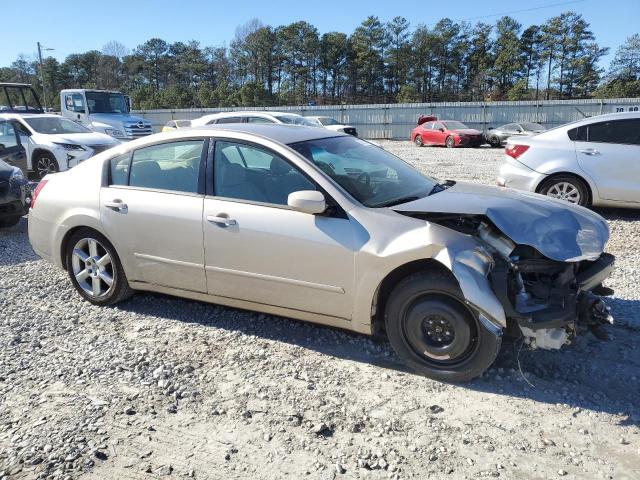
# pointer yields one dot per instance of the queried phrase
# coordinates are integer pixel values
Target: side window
(438, 125)
(119, 167)
(227, 120)
(578, 134)
(74, 102)
(428, 125)
(8, 137)
(259, 120)
(615, 131)
(260, 176)
(169, 166)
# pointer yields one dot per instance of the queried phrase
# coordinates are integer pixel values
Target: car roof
(249, 112)
(286, 134)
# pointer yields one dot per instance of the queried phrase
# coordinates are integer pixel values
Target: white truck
(103, 111)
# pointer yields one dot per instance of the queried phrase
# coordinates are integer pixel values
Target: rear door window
(615, 131)
(171, 166)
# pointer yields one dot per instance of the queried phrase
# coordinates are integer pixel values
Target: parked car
(332, 124)
(55, 144)
(14, 192)
(325, 227)
(590, 162)
(449, 133)
(176, 125)
(252, 117)
(498, 136)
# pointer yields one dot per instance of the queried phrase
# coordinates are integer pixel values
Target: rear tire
(95, 269)
(418, 140)
(434, 332)
(566, 187)
(450, 142)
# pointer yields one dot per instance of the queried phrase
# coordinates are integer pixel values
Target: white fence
(395, 121)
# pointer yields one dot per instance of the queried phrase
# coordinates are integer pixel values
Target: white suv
(252, 117)
(595, 161)
(54, 144)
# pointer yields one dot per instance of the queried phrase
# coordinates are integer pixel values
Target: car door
(11, 150)
(439, 133)
(258, 249)
(151, 209)
(609, 152)
(427, 133)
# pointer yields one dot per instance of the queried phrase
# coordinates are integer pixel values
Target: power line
(524, 10)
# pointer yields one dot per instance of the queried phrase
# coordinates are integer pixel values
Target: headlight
(114, 133)
(69, 146)
(16, 174)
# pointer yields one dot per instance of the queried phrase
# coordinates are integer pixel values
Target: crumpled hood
(110, 118)
(558, 230)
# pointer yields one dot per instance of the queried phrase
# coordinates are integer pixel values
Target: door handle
(224, 221)
(590, 151)
(117, 205)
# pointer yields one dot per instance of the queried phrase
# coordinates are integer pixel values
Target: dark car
(14, 190)
(448, 133)
(497, 137)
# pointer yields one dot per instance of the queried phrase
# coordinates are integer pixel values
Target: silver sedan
(324, 227)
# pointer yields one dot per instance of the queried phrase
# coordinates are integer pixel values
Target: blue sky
(73, 26)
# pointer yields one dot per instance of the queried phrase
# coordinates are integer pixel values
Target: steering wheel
(364, 178)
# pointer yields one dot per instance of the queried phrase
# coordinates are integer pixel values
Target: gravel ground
(161, 386)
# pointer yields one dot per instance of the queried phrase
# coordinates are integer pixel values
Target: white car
(325, 227)
(594, 161)
(331, 123)
(252, 117)
(54, 144)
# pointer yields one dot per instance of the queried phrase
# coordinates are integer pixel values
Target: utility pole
(44, 88)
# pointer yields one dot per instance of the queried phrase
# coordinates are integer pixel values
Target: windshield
(530, 127)
(455, 125)
(328, 121)
(370, 174)
(106, 102)
(55, 125)
(295, 120)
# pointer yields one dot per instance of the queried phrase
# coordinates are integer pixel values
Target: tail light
(514, 151)
(36, 192)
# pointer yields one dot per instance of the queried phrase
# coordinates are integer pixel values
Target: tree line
(379, 62)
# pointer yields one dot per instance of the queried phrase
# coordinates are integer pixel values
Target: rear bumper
(513, 174)
(16, 208)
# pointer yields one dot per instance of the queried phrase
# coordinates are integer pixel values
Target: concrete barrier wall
(395, 121)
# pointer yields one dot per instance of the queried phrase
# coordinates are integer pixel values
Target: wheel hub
(438, 329)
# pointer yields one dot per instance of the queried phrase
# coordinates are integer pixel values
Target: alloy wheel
(564, 191)
(46, 165)
(92, 267)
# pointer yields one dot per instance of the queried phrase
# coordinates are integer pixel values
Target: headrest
(279, 167)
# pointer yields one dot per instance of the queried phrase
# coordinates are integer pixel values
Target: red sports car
(449, 133)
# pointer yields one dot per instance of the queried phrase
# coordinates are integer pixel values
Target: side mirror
(307, 201)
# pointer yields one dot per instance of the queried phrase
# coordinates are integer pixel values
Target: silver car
(591, 162)
(497, 137)
(325, 227)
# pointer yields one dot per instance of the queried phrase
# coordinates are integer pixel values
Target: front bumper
(474, 141)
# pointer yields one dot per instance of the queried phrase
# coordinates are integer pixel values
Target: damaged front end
(549, 302)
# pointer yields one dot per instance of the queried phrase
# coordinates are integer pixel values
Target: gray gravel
(161, 386)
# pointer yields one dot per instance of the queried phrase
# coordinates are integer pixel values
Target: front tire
(434, 332)
(94, 268)
(566, 187)
(450, 142)
(494, 141)
(44, 164)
